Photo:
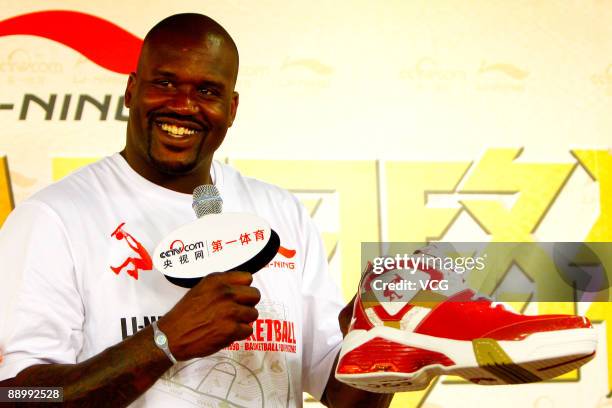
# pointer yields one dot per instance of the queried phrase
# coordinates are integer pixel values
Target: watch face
(160, 339)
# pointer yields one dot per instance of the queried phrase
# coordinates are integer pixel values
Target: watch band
(161, 341)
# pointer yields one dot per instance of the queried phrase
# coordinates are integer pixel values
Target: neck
(183, 183)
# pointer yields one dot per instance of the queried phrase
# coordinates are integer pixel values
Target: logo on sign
(177, 247)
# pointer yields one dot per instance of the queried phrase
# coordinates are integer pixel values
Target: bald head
(182, 100)
(189, 28)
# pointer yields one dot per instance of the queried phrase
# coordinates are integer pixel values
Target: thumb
(344, 318)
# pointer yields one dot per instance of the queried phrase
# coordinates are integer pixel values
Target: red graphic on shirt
(287, 253)
(142, 262)
(270, 335)
(84, 33)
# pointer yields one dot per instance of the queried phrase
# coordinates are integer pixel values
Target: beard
(173, 168)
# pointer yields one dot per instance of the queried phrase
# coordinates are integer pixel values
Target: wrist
(161, 342)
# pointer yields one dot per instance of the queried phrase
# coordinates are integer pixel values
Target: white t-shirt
(77, 278)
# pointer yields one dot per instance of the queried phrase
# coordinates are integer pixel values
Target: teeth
(177, 130)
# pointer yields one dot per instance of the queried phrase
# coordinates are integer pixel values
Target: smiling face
(181, 102)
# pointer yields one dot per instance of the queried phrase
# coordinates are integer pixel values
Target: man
(71, 316)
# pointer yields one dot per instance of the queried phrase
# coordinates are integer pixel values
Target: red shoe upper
(461, 317)
(470, 320)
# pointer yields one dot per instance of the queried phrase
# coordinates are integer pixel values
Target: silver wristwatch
(161, 341)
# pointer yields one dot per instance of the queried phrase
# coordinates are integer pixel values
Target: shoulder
(72, 201)
(78, 186)
(282, 209)
(245, 187)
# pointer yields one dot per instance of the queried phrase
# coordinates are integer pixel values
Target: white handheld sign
(216, 243)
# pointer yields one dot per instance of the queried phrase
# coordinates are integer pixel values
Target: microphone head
(206, 200)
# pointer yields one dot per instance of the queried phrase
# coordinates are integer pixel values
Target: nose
(183, 101)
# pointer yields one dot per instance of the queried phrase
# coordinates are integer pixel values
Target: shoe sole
(390, 360)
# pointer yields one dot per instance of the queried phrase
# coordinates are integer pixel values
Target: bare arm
(210, 316)
(119, 374)
(337, 394)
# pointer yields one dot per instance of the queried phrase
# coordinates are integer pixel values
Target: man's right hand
(212, 315)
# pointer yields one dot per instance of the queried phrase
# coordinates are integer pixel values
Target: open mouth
(177, 131)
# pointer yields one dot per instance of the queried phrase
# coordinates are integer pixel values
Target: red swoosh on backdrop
(103, 42)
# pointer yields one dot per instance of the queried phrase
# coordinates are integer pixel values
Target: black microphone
(215, 242)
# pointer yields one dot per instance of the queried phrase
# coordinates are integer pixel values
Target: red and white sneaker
(401, 341)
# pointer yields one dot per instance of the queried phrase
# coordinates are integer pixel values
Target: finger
(236, 277)
(245, 314)
(243, 331)
(344, 317)
(225, 278)
(245, 295)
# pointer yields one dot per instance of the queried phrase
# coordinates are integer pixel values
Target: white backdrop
(395, 120)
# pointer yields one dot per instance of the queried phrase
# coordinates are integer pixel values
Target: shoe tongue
(394, 288)
(435, 262)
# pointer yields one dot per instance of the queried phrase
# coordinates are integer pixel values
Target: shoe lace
(492, 303)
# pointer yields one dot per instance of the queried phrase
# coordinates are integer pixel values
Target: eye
(208, 91)
(163, 83)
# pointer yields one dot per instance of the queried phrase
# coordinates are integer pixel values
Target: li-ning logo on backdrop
(177, 247)
(84, 33)
(89, 35)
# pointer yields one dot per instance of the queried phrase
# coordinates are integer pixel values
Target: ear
(129, 90)
(233, 108)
